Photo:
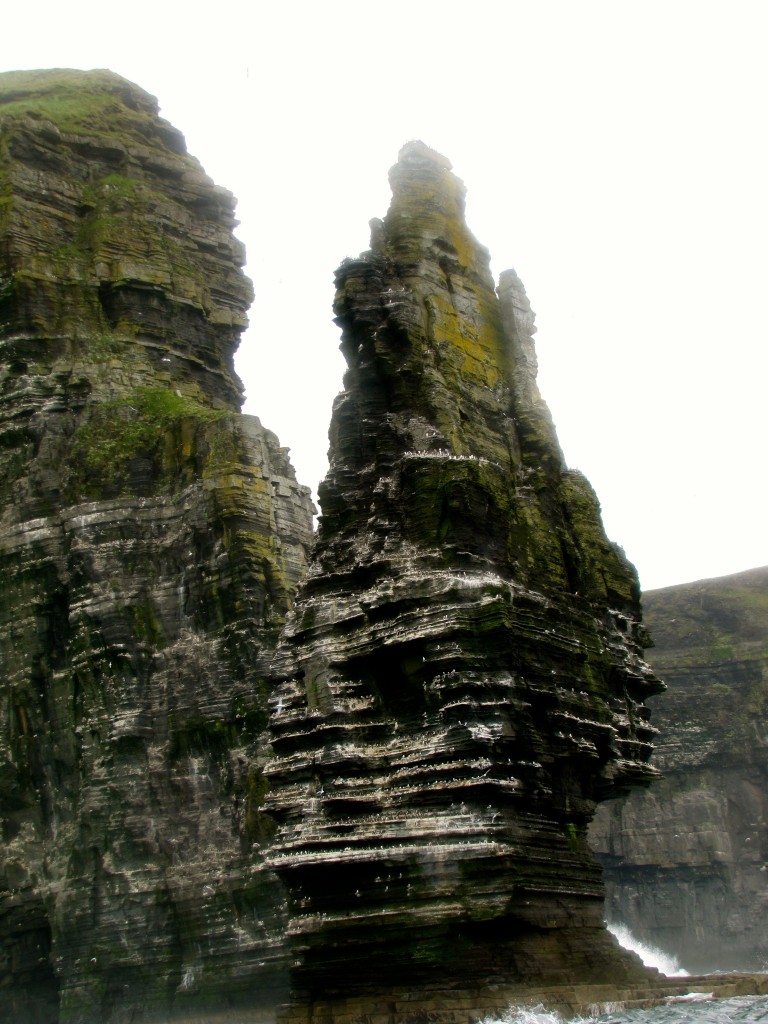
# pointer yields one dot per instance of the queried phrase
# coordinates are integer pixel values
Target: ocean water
(696, 1009)
(692, 1008)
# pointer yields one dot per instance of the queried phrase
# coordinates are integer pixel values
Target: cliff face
(150, 540)
(461, 679)
(685, 864)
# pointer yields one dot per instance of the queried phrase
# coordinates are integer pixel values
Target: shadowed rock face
(461, 680)
(150, 540)
(686, 864)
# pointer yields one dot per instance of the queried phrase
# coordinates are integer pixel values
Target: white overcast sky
(614, 153)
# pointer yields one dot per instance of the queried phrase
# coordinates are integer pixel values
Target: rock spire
(461, 680)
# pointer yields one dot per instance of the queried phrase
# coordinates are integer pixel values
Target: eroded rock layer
(150, 540)
(686, 864)
(462, 678)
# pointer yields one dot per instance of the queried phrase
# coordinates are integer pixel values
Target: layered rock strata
(150, 540)
(462, 679)
(686, 864)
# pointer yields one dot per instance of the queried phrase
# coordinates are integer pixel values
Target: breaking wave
(695, 1008)
(650, 955)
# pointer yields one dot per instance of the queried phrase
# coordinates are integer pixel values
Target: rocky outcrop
(379, 794)
(150, 540)
(686, 864)
(461, 680)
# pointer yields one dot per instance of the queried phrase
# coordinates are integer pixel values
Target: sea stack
(462, 678)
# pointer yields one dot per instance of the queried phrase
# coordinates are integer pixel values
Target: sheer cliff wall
(686, 864)
(150, 539)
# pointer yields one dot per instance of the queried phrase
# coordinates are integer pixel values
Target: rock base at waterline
(457, 1007)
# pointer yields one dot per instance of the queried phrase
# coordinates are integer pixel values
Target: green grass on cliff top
(694, 619)
(93, 102)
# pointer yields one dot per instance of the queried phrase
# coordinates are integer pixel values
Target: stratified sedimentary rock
(150, 539)
(462, 678)
(686, 863)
